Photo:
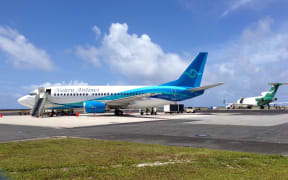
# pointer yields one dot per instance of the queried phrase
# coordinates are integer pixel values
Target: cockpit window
(32, 94)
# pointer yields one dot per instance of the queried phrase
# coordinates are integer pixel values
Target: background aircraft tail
(192, 76)
(275, 86)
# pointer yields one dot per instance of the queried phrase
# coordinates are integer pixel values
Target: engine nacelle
(94, 107)
(240, 101)
(274, 99)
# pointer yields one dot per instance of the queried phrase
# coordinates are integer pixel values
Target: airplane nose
(24, 101)
(21, 100)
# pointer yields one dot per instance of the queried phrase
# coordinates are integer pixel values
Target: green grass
(73, 158)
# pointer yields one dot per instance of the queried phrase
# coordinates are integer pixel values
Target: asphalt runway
(238, 130)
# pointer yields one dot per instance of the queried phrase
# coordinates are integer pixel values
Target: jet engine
(274, 99)
(94, 107)
(240, 101)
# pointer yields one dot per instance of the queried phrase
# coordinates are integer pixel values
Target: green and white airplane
(261, 101)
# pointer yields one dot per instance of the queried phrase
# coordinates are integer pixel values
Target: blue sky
(143, 42)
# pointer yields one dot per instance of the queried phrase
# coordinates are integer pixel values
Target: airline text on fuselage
(77, 90)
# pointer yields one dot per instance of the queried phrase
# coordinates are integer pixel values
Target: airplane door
(48, 92)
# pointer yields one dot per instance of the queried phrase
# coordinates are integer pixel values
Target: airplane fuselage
(74, 96)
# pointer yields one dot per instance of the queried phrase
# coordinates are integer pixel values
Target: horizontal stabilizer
(274, 84)
(205, 87)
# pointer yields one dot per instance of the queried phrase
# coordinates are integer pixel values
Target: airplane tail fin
(275, 87)
(192, 76)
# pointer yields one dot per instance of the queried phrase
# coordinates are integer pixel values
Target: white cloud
(259, 44)
(89, 53)
(49, 84)
(134, 56)
(256, 5)
(97, 31)
(236, 5)
(21, 52)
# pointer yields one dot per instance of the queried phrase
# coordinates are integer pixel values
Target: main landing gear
(118, 112)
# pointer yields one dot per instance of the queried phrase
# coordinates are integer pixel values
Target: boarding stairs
(40, 101)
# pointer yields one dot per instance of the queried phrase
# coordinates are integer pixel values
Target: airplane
(264, 100)
(99, 99)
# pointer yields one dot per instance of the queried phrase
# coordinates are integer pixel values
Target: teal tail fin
(192, 76)
(275, 86)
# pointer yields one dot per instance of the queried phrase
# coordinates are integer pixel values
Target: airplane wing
(128, 100)
(205, 87)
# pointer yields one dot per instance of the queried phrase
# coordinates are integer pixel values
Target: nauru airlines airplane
(98, 99)
(261, 101)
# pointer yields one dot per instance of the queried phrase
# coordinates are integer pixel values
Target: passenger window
(104, 94)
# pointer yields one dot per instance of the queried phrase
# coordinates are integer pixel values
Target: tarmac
(239, 130)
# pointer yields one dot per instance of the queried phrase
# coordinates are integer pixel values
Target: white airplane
(98, 99)
(264, 100)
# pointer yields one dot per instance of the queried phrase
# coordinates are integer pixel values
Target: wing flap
(205, 87)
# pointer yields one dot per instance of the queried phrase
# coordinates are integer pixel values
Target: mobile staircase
(40, 101)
